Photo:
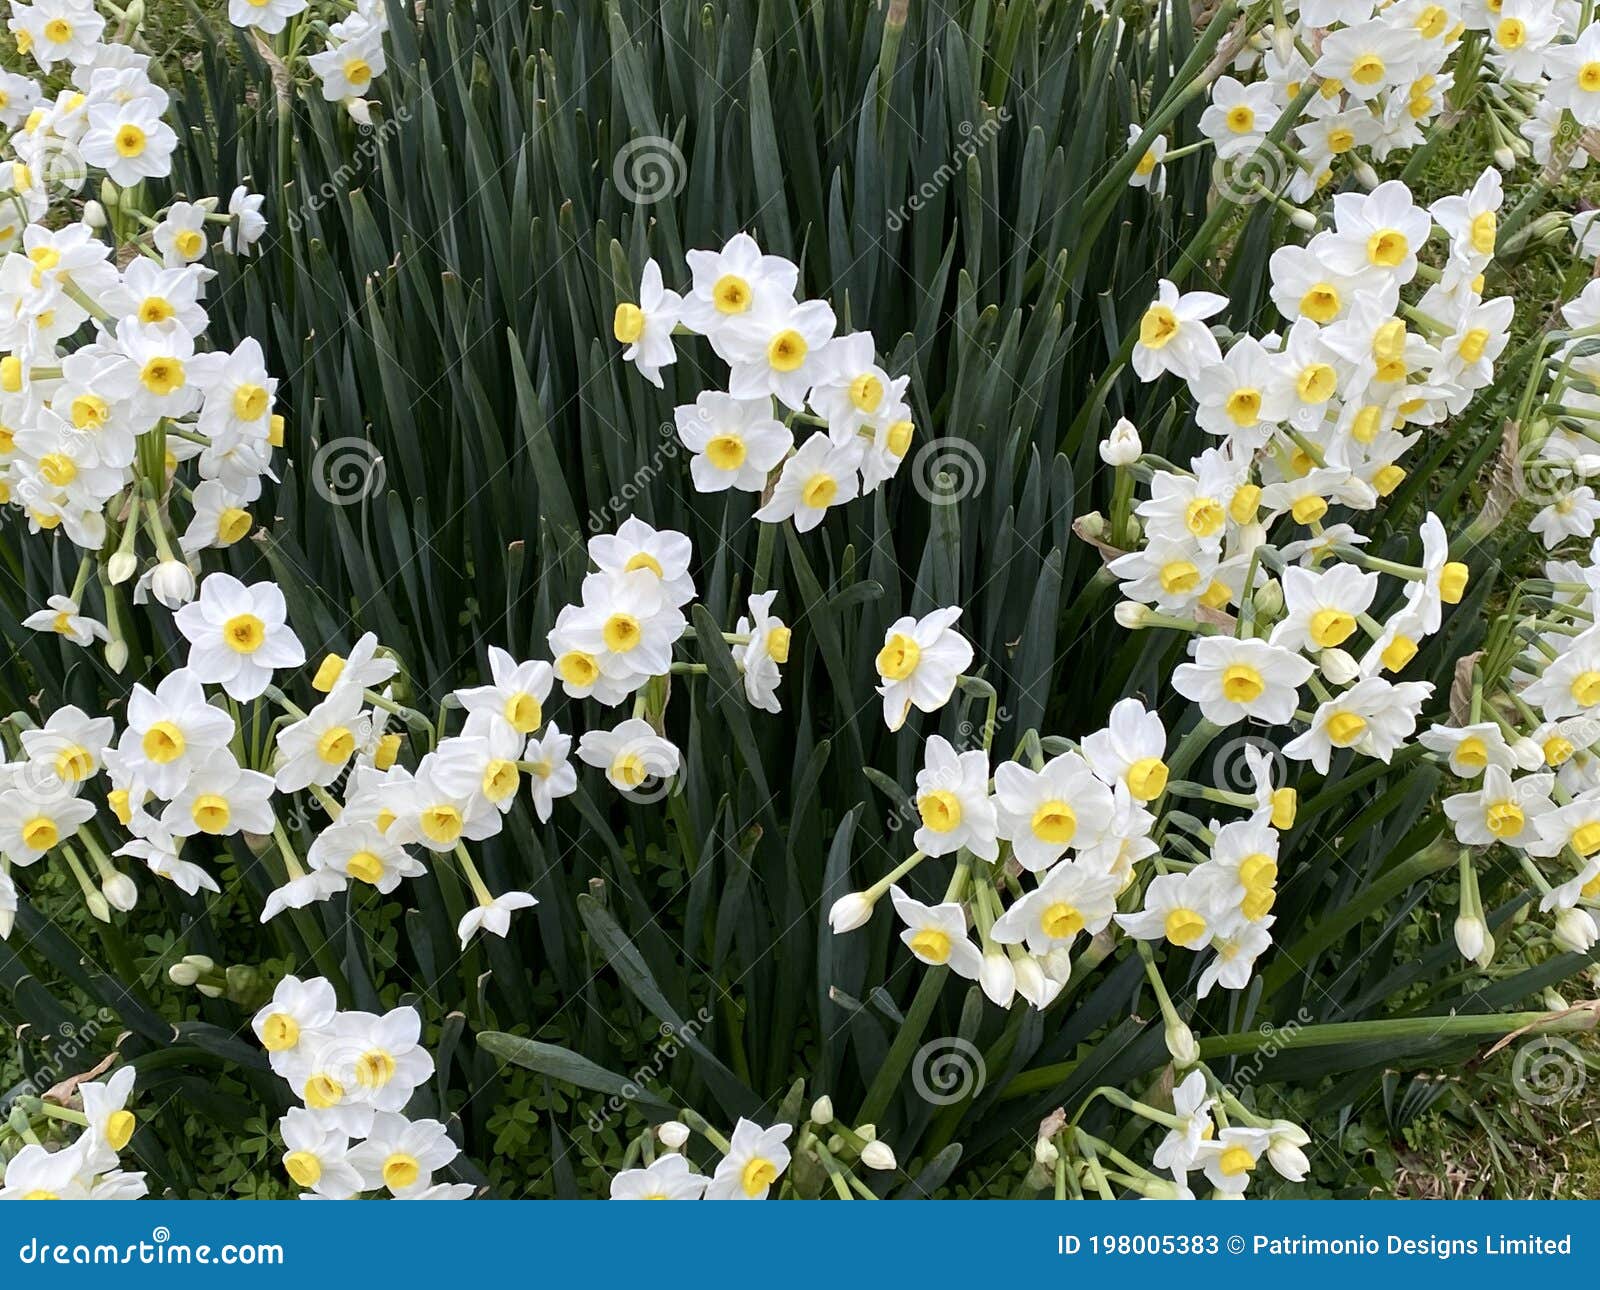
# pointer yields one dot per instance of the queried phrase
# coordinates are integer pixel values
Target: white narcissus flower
(297, 1009)
(517, 694)
(919, 664)
(493, 916)
(550, 773)
(1501, 809)
(402, 1155)
(631, 755)
(953, 801)
(733, 283)
(755, 1160)
(1070, 899)
(937, 934)
(820, 475)
(1229, 1158)
(32, 823)
(64, 617)
(637, 547)
(238, 636)
(668, 1178)
(317, 1155)
(766, 651)
(1233, 680)
(645, 328)
(777, 351)
(219, 799)
(1044, 812)
(1173, 336)
(736, 442)
(361, 852)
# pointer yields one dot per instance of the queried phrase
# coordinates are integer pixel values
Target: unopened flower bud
(183, 975)
(121, 566)
(1181, 1044)
(1303, 220)
(117, 655)
(94, 214)
(850, 912)
(1505, 158)
(1470, 933)
(1366, 176)
(98, 906)
(673, 1133)
(1131, 614)
(822, 1110)
(1269, 599)
(1122, 446)
(1528, 753)
(1338, 666)
(360, 111)
(877, 1155)
(997, 978)
(120, 891)
(1554, 1001)
(1575, 930)
(1283, 1150)
(172, 583)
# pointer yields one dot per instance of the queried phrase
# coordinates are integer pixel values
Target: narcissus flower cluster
(36, 1165)
(354, 1072)
(789, 368)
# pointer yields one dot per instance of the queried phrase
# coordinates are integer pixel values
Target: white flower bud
(120, 891)
(1031, 984)
(172, 583)
(1182, 1045)
(1131, 614)
(1285, 1154)
(1575, 930)
(1338, 666)
(1470, 934)
(1269, 599)
(1122, 446)
(8, 920)
(673, 1133)
(1505, 158)
(210, 991)
(1303, 220)
(1366, 176)
(201, 962)
(117, 655)
(996, 977)
(359, 109)
(1554, 1001)
(121, 566)
(1487, 956)
(850, 912)
(822, 1110)
(98, 906)
(1529, 756)
(94, 214)
(182, 975)
(877, 1155)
